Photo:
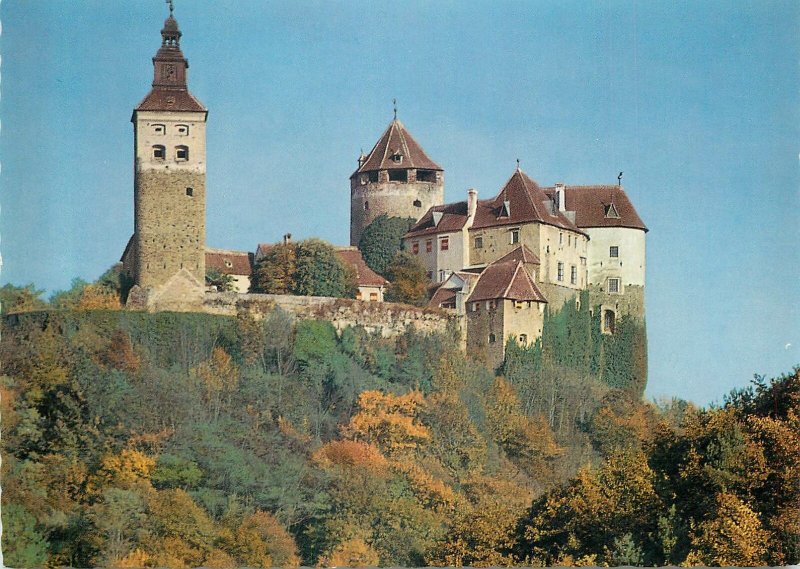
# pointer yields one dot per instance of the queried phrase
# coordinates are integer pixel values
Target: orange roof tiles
(397, 139)
(364, 275)
(506, 280)
(229, 262)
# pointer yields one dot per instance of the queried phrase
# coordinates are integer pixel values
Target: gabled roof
(443, 296)
(506, 280)
(520, 201)
(397, 139)
(229, 262)
(160, 99)
(521, 253)
(364, 275)
(593, 207)
(454, 216)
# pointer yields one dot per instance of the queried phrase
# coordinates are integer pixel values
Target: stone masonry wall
(170, 225)
(388, 319)
(395, 199)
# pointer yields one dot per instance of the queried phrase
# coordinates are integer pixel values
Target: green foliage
(20, 299)
(408, 280)
(382, 239)
(23, 544)
(221, 281)
(275, 271)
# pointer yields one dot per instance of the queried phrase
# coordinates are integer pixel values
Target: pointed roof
(506, 280)
(396, 139)
(520, 201)
(453, 217)
(601, 206)
(521, 253)
(364, 275)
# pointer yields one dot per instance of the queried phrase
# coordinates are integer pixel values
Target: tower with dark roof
(396, 178)
(166, 255)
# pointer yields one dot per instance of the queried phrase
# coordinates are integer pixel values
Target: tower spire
(171, 7)
(394, 105)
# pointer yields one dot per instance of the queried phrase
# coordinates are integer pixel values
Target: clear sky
(697, 102)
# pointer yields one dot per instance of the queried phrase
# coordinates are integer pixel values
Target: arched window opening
(366, 206)
(159, 152)
(417, 203)
(609, 321)
(181, 152)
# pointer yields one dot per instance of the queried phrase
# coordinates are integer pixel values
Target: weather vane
(394, 103)
(171, 7)
(518, 164)
(619, 179)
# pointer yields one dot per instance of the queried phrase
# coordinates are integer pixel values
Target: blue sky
(697, 102)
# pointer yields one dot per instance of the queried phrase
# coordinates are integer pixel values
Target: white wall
(629, 266)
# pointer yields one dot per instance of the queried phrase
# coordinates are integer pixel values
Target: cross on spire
(171, 6)
(518, 168)
(394, 104)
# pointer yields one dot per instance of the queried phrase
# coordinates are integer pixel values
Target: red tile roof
(162, 99)
(364, 275)
(397, 139)
(591, 203)
(526, 202)
(506, 280)
(454, 216)
(521, 253)
(230, 262)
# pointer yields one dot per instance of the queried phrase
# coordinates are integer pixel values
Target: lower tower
(397, 179)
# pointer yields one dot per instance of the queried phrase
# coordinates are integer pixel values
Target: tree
(274, 272)
(408, 280)
(388, 421)
(23, 544)
(222, 281)
(382, 239)
(320, 272)
(20, 298)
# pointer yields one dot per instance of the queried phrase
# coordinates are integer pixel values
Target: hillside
(133, 439)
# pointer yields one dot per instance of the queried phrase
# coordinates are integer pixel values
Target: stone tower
(396, 178)
(166, 255)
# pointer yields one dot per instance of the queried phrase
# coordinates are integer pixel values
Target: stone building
(166, 254)
(396, 178)
(568, 239)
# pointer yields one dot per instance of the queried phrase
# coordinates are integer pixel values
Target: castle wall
(629, 302)
(388, 319)
(395, 199)
(629, 266)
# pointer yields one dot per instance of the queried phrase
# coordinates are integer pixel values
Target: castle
(494, 264)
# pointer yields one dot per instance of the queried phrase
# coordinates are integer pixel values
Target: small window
(560, 271)
(366, 206)
(476, 307)
(442, 276)
(609, 321)
(573, 275)
(159, 152)
(417, 203)
(373, 296)
(514, 236)
(583, 261)
(426, 176)
(183, 129)
(444, 244)
(613, 251)
(228, 264)
(492, 338)
(479, 242)
(373, 176)
(398, 175)
(159, 129)
(397, 158)
(613, 285)
(569, 240)
(364, 179)
(523, 339)
(181, 152)
(190, 192)
(415, 247)
(560, 239)
(428, 245)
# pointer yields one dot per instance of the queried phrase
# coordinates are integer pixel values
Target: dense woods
(180, 440)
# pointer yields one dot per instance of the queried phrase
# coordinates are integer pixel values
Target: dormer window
(159, 152)
(182, 153)
(159, 129)
(183, 129)
(611, 211)
(397, 158)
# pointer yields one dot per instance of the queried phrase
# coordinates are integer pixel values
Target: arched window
(609, 321)
(158, 129)
(159, 152)
(183, 129)
(492, 338)
(366, 206)
(181, 152)
(417, 203)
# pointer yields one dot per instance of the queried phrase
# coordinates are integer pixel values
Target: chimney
(561, 197)
(361, 159)
(472, 202)
(287, 238)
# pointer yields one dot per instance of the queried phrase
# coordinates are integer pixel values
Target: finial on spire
(518, 168)
(394, 104)
(619, 179)
(171, 6)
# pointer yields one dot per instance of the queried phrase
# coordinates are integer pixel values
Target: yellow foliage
(218, 559)
(388, 421)
(352, 454)
(176, 553)
(96, 297)
(135, 559)
(351, 553)
(261, 541)
(430, 491)
(126, 468)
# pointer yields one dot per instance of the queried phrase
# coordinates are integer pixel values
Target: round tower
(396, 178)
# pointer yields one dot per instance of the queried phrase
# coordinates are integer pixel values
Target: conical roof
(396, 140)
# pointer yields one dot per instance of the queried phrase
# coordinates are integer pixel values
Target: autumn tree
(408, 280)
(382, 239)
(388, 421)
(20, 298)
